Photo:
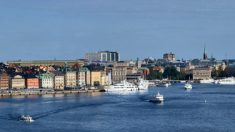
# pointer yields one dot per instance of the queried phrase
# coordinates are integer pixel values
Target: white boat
(143, 84)
(216, 82)
(123, 86)
(158, 98)
(26, 118)
(207, 81)
(164, 84)
(188, 86)
(227, 81)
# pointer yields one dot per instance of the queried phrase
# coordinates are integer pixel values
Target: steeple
(205, 57)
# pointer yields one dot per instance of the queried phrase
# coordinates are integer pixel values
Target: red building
(32, 83)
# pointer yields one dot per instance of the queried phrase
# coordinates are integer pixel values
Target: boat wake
(63, 109)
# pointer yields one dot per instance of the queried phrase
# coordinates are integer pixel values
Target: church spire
(205, 57)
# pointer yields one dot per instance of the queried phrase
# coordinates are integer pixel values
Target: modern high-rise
(103, 56)
(169, 56)
(107, 56)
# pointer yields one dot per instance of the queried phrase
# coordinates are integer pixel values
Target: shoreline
(47, 92)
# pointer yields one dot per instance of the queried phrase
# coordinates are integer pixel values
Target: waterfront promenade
(25, 92)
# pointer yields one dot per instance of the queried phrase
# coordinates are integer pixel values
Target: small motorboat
(158, 98)
(188, 86)
(26, 118)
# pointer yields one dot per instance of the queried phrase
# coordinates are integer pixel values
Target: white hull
(208, 81)
(227, 81)
(164, 85)
(188, 86)
(158, 98)
(123, 86)
(113, 89)
(143, 84)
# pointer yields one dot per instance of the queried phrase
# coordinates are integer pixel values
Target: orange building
(32, 83)
(4, 81)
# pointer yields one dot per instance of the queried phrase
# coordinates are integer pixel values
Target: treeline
(169, 72)
(221, 73)
(172, 73)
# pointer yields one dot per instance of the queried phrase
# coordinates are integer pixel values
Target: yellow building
(71, 79)
(18, 82)
(96, 78)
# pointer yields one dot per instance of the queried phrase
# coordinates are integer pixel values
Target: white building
(82, 79)
(18, 82)
(47, 80)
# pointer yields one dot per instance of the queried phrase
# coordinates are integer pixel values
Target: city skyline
(32, 30)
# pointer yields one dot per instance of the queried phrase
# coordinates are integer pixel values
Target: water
(182, 111)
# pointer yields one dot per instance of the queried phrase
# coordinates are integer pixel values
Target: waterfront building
(47, 80)
(169, 57)
(99, 78)
(59, 81)
(95, 78)
(70, 79)
(88, 78)
(132, 70)
(134, 77)
(203, 73)
(82, 76)
(207, 63)
(32, 83)
(119, 71)
(18, 82)
(105, 80)
(4, 80)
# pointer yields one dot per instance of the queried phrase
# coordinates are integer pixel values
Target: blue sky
(66, 29)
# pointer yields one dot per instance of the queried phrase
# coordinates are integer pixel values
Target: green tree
(154, 75)
(171, 73)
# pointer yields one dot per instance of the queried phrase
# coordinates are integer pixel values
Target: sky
(67, 29)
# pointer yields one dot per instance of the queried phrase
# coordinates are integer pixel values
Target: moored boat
(143, 84)
(122, 86)
(207, 81)
(227, 81)
(164, 84)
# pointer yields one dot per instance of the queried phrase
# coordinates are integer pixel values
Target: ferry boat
(123, 86)
(26, 118)
(158, 98)
(227, 81)
(207, 81)
(188, 86)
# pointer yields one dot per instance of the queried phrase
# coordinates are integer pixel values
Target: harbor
(208, 107)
